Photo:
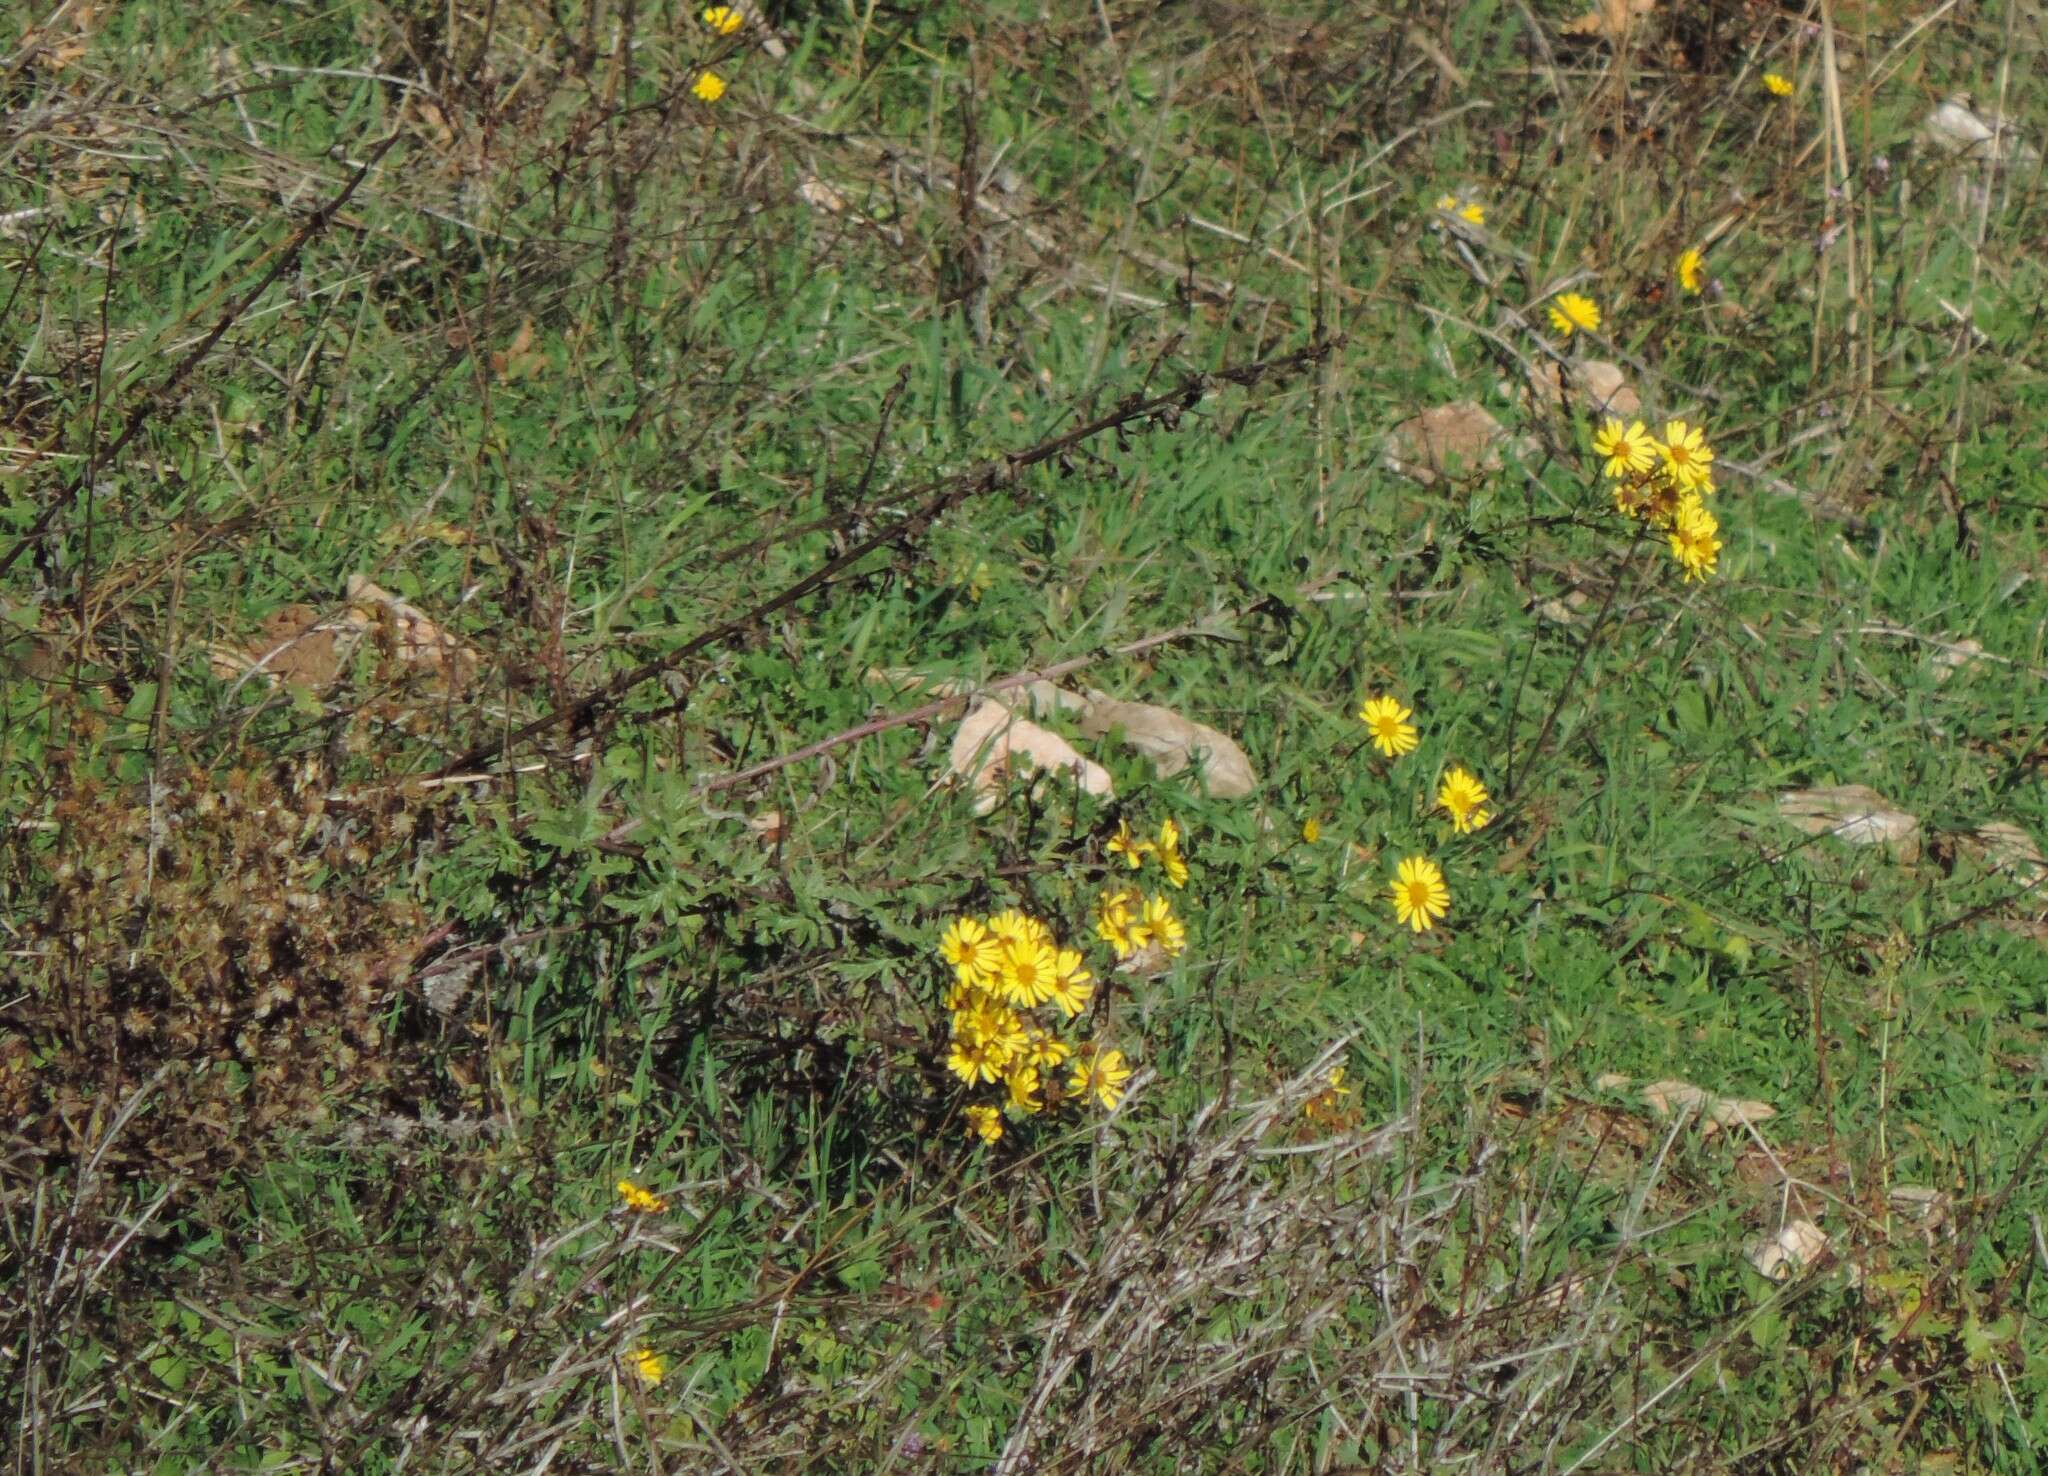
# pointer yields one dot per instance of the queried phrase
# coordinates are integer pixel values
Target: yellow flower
(1572, 312)
(1101, 1076)
(1690, 274)
(1392, 733)
(986, 1036)
(724, 19)
(1627, 448)
(973, 1059)
(971, 950)
(1022, 1083)
(1686, 456)
(1029, 972)
(639, 1200)
(1466, 210)
(1465, 797)
(1043, 1049)
(1311, 830)
(1163, 927)
(1010, 925)
(1324, 1107)
(710, 87)
(1420, 896)
(1000, 1025)
(1072, 983)
(985, 1123)
(650, 1365)
(1693, 539)
(1114, 924)
(1128, 846)
(1777, 86)
(1169, 853)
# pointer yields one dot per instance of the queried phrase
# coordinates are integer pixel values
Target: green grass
(585, 369)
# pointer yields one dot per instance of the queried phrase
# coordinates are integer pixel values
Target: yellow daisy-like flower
(1686, 456)
(1777, 86)
(1420, 896)
(724, 19)
(1128, 846)
(639, 1200)
(1163, 927)
(1694, 540)
(974, 1059)
(1311, 830)
(1573, 312)
(1022, 1084)
(1043, 1049)
(985, 1123)
(1029, 972)
(1115, 923)
(1101, 1076)
(1465, 797)
(1387, 720)
(1002, 1026)
(710, 87)
(650, 1366)
(1072, 983)
(963, 994)
(1012, 926)
(1336, 1087)
(971, 949)
(1691, 269)
(1447, 202)
(1628, 448)
(1169, 853)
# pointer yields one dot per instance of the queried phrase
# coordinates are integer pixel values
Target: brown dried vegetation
(211, 961)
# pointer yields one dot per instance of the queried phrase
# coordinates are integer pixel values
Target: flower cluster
(1419, 893)
(639, 1200)
(1665, 482)
(724, 20)
(1466, 209)
(1129, 922)
(1006, 968)
(1135, 850)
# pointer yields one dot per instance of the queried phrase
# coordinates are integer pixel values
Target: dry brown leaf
(2005, 847)
(519, 359)
(1601, 385)
(1669, 1099)
(1458, 439)
(768, 827)
(1172, 743)
(1610, 18)
(295, 646)
(299, 647)
(1854, 814)
(414, 639)
(1795, 1247)
(992, 742)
